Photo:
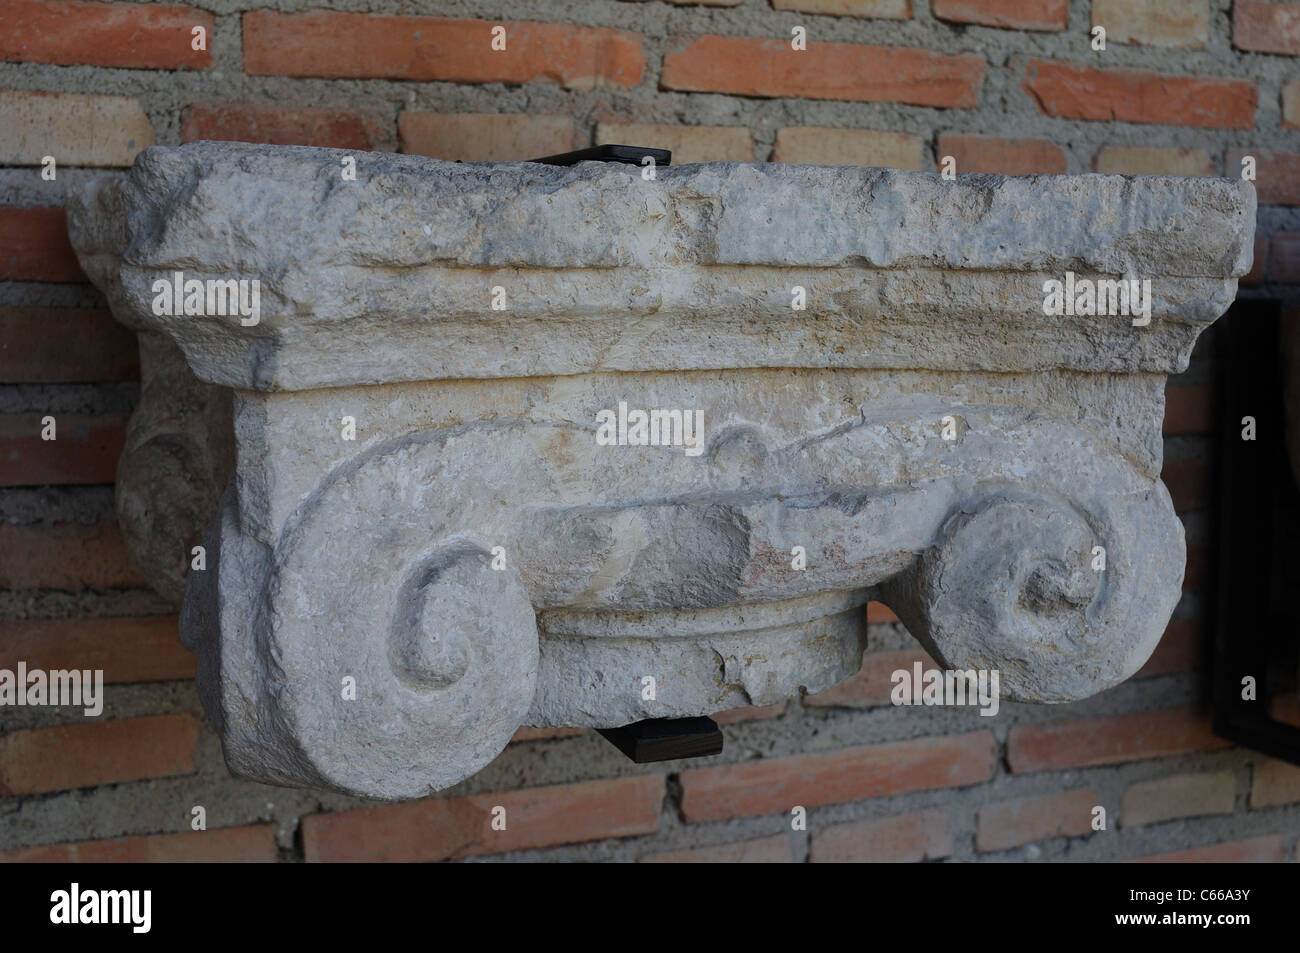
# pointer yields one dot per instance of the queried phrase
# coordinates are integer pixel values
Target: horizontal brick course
(1266, 27)
(132, 649)
(1184, 24)
(1153, 160)
(907, 838)
(749, 66)
(1277, 174)
(444, 829)
(1042, 15)
(1114, 739)
(1002, 156)
(1270, 849)
(1182, 795)
(34, 246)
(85, 449)
(280, 125)
(775, 785)
(487, 137)
(131, 35)
(1075, 91)
(1274, 783)
(46, 345)
(1009, 824)
(223, 845)
(65, 556)
(82, 755)
(75, 130)
(859, 147)
(358, 45)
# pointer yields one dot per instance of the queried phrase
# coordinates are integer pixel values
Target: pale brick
(475, 137)
(1182, 795)
(1153, 160)
(1179, 23)
(1013, 823)
(863, 147)
(1274, 783)
(924, 835)
(75, 130)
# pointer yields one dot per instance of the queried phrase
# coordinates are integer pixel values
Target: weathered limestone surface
(475, 560)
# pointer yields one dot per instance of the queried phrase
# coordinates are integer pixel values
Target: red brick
(144, 649)
(130, 35)
(1188, 482)
(1049, 16)
(1111, 740)
(1073, 91)
(1284, 258)
(847, 71)
(1004, 156)
(1182, 649)
(905, 839)
(223, 845)
(64, 757)
(65, 556)
(871, 685)
(775, 785)
(1270, 849)
(1189, 409)
(448, 828)
(280, 126)
(1258, 273)
(1266, 27)
(34, 246)
(766, 850)
(1028, 820)
(39, 345)
(429, 48)
(737, 716)
(879, 612)
(85, 451)
(1277, 174)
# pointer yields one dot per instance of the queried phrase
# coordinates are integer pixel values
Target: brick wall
(1184, 86)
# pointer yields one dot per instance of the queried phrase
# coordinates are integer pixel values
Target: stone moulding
(476, 560)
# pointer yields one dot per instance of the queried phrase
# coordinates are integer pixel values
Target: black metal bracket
(666, 739)
(1259, 508)
(630, 155)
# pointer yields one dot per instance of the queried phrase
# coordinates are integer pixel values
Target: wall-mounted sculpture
(880, 386)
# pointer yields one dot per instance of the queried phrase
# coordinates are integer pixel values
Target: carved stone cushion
(477, 559)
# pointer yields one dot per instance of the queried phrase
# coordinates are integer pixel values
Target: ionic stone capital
(853, 382)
